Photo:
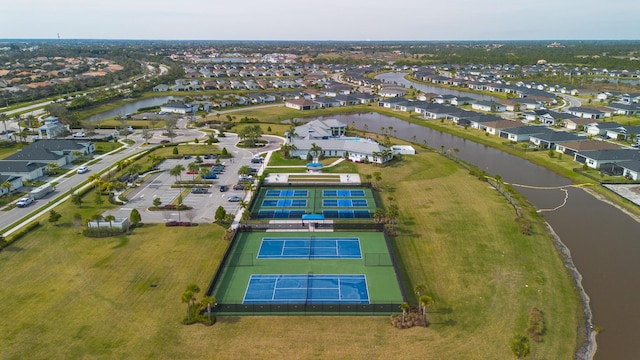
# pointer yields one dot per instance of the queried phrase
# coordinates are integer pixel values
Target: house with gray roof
(630, 169)
(572, 147)
(600, 128)
(523, 133)
(330, 136)
(551, 139)
(597, 158)
(629, 109)
(31, 161)
(585, 112)
(15, 182)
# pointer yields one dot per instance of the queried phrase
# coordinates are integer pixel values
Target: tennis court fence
(343, 226)
(377, 259)
(381, 309)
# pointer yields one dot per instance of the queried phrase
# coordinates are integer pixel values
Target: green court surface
(338, 202)
(375, 264)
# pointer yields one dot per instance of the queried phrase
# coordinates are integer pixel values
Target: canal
(602, 238)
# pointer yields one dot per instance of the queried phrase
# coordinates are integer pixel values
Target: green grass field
(67, 296)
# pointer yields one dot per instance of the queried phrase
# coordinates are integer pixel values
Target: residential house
(630, 109)
(597, 158)
(585, 112)
(490, 106)
(52, 128)
(623, 133)
(161, 88)
(32, 161)
(600, 128)
(572, 147)
(177, 107)
(15, 182)
(301, 104)
(523, 133)
(551, 139)
(494, 127)
(576, 123)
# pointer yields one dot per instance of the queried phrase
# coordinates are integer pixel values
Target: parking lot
(203, 206)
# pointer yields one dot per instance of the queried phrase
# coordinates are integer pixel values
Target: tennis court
(285, 203)
(307, 289)
(241, 290)
(344, 203)
(287, 193)
(310, 248)
(333, 203)
(342, 193)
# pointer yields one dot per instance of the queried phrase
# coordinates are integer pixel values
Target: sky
(322, 20)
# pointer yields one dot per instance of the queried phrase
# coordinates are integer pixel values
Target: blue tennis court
(280, 214)
(310, 248)
(344, 203)
(287, 193)
(307, 289)
(285, 203)
(342, 193)
(346, 214)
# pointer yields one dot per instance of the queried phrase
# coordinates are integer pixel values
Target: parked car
(82, 169)
(224, 188)
(257, 160)
(198, 191)
(26, 201)
(187, 157)
(210, 176)
(234, 198)
(79, 134)
(192, 172)
(238, 187)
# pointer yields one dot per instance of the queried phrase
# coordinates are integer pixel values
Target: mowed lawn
(66, 296)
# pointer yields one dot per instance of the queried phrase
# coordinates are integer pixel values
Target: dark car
(186, 157)
(224, 188)
(210, 176)
(198, 191)
(256, 160)
(164, 141)
(238, 187)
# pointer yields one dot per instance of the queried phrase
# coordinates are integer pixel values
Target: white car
(79, 134)
(82, 169)
(24, 202)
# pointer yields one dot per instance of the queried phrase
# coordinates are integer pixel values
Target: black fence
(308, 309)
(295, 225)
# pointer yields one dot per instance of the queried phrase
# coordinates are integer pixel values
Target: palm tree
(193, 167)
(209, 301)
(404, 307)
(3, 118)
(419, 289)
(425, 300)
(378, 215)
(7, 186)
(315, 150)
(187, 297)
(110, 219)
(177, 171)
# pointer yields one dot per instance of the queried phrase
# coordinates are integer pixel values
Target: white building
(329, 135)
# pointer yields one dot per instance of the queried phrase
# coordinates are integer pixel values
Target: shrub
(535, 326)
